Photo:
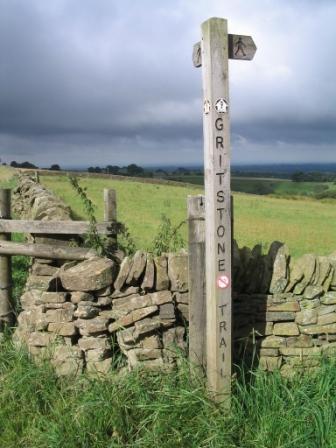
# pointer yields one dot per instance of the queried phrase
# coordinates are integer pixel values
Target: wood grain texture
(197, 305)
(6, 314)
(241, 47)
(197, 55)
(46, 251)
(110, 214)
(52, 227)
(217, 206)
(110, 205)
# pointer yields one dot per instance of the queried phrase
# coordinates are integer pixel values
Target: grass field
(7, 177)
(267, 186)
(306, 225)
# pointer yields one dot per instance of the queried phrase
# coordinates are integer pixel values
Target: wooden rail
(53, 227)
(47, 251)
(197, 298)
(6, 305)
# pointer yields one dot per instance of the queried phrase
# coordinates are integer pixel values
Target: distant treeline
(130, 170)
(315, 176)
(258, 174)
(134, 170)
(195, 175)
(31, 166)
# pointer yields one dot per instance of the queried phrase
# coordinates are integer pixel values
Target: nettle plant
(168, 238)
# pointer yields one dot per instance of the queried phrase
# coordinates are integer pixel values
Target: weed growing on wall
(168, 238)
(20, 266)
(125, 240)
(92, 238)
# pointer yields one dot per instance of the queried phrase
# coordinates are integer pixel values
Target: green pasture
(281, 187)
(7, 179)
(306, 225)
(268, 186)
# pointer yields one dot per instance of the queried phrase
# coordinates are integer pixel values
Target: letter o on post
(220, 231)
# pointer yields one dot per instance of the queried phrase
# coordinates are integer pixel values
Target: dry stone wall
(32, 201)
(76, 316)
(81, 315)
(289, 321)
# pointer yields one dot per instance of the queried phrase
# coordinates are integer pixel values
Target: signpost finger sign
(212, 53)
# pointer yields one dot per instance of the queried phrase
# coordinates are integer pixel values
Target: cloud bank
(87, 82)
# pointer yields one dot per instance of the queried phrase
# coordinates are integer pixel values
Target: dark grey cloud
(99, 80)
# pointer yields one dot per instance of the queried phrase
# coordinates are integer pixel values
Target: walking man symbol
(240, 47)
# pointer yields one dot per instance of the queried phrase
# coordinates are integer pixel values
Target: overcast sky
(97, 82)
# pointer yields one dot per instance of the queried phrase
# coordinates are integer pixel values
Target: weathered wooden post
(6, 310)
(110, 214)
(212, 54)
(197, 306)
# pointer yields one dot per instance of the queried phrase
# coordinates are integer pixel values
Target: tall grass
(165, 410)
(20, 266)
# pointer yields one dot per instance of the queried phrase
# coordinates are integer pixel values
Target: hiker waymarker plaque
(212, 54)
(221, 106)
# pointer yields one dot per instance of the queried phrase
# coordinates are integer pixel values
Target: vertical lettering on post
(217, 207)
(212, 55)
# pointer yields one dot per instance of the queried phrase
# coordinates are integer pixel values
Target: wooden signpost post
(213, 53)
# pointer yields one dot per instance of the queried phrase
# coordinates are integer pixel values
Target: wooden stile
(110, 205)
(46, 251)
(6, 314)
(197, 305)
(110, 214)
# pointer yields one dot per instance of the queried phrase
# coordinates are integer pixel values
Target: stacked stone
(148, 305)
(294, 324)
(60, 318)
(254, 272)
(73, 314)
(32, 201)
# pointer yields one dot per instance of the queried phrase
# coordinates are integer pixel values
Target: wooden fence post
(197, 298)
(6, 310)
(110, 214)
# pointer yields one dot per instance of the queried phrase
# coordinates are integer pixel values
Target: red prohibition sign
(223, 282)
